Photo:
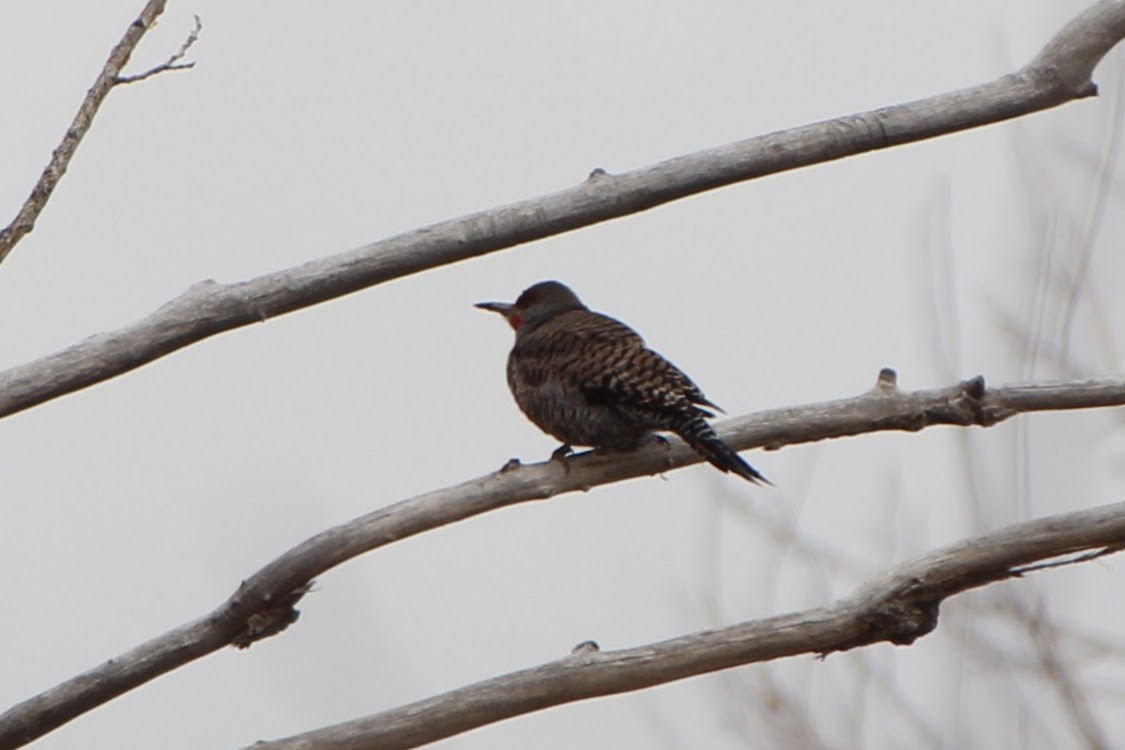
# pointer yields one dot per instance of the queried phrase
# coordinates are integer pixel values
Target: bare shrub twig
(106, 80)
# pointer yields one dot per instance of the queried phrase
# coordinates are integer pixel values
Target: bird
(590, 380)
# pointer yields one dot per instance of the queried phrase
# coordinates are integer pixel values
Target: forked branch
(107, 79)
(174, 62)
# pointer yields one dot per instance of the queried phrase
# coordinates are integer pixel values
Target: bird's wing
(609, 362)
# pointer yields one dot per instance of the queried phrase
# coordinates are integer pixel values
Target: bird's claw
(560, 453)
(667, 451)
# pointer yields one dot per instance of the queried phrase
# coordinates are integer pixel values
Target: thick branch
(106, 80)
(260, 596)
(1058, 74)
(898, 607)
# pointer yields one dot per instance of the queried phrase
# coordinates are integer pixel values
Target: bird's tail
(703, 440)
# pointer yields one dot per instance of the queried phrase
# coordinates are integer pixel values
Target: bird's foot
(511, 465)
(560, 453)
(667, 450)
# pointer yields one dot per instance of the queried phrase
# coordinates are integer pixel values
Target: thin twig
(1087, 557)
(1054, 669)
(173, 62)
(109, 77)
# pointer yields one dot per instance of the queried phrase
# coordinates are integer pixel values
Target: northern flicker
(588, 379)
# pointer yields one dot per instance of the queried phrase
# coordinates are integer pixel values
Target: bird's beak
(504, 308)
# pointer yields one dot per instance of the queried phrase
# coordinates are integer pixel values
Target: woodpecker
(590, 380)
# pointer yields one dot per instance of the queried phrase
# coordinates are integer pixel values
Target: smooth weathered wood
(1059, 73)
(883, 408)
(897, 607)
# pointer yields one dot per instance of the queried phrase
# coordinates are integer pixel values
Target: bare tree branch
(1059, 73)
(1055, 669)
(173, 62)
(898, 607)
(106, 80)
(265, 596)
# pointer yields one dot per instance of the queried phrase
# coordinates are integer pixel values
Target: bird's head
(538, 303)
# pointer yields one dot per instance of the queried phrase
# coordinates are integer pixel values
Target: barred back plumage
(588, 379)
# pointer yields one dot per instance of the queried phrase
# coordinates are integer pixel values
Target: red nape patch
(515, 321)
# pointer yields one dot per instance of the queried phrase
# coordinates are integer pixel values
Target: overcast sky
(310, 128)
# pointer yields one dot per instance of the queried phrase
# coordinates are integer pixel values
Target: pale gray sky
(310, 128)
